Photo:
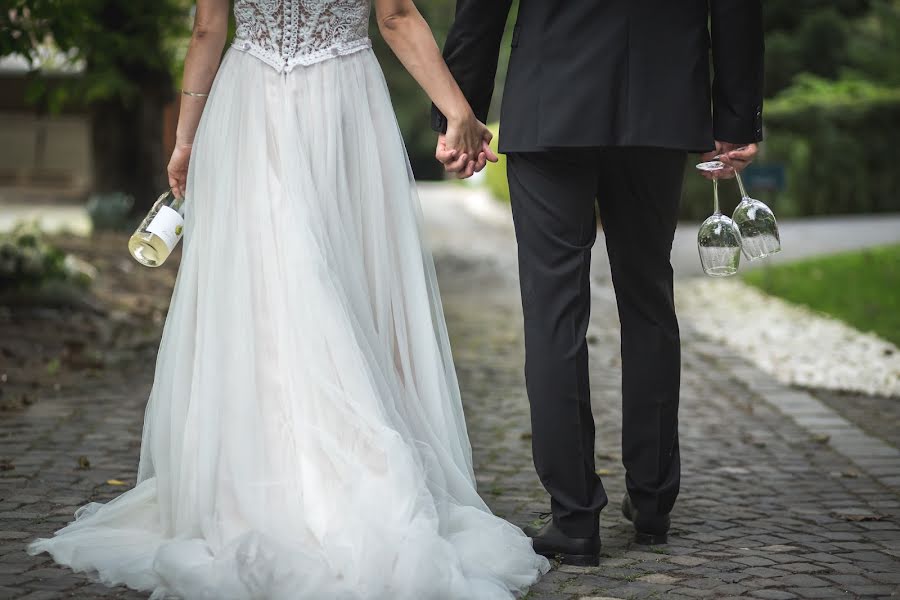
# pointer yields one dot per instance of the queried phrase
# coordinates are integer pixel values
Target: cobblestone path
(769, 508)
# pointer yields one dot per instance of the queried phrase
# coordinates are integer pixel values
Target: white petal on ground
(792, 343)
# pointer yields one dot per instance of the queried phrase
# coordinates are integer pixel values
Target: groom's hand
(735, 156)
(461, 164)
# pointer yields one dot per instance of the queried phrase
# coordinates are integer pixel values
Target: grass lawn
(861, 288)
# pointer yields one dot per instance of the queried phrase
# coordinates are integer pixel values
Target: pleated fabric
(304, 436)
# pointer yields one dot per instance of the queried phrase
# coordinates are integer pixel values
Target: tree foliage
(846, 37)
(125, 46)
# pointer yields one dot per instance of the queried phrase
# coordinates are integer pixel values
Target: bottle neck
(173, 202)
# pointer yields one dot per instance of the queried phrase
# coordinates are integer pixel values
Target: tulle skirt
(304, 436)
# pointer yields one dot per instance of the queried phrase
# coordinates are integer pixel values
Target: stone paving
(859, 409)
(768, 509)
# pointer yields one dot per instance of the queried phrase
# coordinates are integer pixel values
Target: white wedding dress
(304, 436)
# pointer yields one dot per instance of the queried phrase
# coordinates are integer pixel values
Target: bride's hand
(178, 167)
(465, 148)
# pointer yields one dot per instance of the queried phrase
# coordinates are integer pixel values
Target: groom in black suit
(603, 101)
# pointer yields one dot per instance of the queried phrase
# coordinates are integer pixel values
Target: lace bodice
(287, 33)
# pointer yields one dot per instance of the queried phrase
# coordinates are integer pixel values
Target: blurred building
(46, 153)
(40, 151)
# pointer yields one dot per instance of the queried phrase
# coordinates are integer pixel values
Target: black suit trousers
(637, 192)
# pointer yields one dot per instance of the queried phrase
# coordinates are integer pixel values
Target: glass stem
(741, 185)
(716, 210)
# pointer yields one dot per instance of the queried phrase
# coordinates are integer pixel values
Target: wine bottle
(159, 232)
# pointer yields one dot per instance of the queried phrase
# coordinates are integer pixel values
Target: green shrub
(838, 142)
(28, 262)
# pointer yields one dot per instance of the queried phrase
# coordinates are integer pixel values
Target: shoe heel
(579, 560)
(650, 539)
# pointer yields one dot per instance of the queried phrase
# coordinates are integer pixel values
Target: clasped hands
(465, 149)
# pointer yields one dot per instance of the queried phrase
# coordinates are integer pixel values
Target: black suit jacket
(614, 72)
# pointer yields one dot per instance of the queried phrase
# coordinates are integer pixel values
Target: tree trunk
(127, 141)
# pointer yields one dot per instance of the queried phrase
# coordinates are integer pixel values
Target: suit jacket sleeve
(737, 49)
(472, 51)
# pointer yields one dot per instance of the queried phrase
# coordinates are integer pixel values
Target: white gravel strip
(792, 343)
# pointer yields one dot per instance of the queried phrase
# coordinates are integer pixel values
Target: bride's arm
(410, 37)
(200, 66)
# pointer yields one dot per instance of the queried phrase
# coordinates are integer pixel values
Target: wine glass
(756, 222)
(719, 239)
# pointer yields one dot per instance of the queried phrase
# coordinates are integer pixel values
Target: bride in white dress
(304, 436)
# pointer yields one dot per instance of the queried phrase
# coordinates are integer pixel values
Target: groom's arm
(737, 49)
(472, 51)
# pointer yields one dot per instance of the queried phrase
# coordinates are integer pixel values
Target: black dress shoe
(649, 530)
(549, 541)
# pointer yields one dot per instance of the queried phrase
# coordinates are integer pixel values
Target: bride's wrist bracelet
(195, 94)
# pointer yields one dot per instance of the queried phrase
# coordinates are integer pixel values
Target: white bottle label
(168, 224)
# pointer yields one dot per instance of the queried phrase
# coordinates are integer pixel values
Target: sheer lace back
(287, 33)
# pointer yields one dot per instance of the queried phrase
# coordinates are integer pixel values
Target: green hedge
(838, 140)
(838, 143)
